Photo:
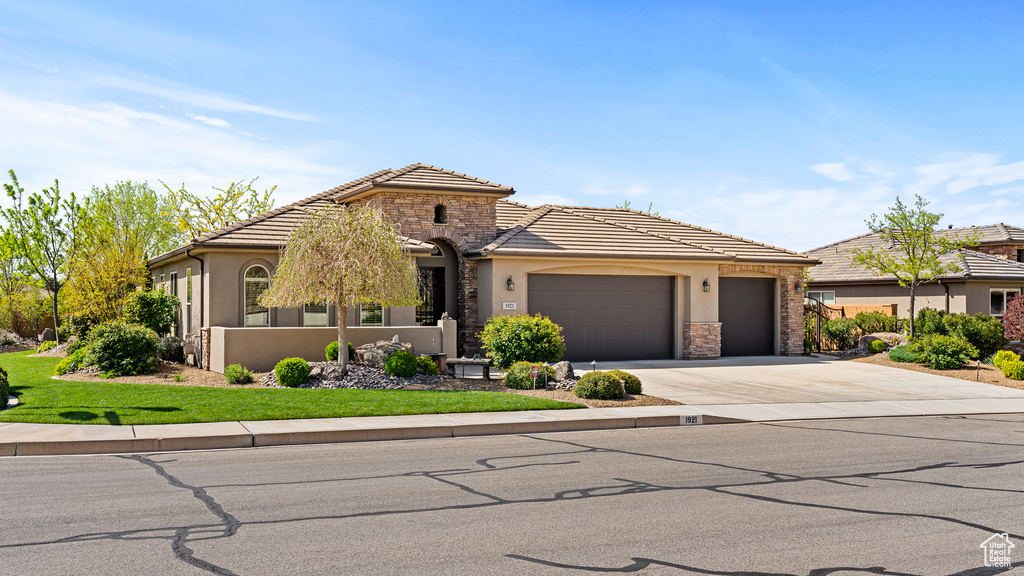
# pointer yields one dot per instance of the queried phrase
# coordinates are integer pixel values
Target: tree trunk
(343, 336)
(56, 320)
(912, 286)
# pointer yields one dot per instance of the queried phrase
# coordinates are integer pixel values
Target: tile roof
(619, 232)
(421, 177)
(837, 263)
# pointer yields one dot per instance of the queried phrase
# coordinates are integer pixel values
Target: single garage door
(746, 309)
(607, 317)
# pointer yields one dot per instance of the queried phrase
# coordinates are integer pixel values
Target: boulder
(868, 339)
(377, 353)
(48, 335)
(563, 370)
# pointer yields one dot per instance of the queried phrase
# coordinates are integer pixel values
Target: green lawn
(43, 399)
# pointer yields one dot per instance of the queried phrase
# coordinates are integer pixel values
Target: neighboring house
(991, 273)
(622, 284)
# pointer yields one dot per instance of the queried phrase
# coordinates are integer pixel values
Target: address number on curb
(692, 420)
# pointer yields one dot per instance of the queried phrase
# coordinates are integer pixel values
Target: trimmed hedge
(1013, 369)
(599, 386)
(123, 349)
(427, 366)
(522, 338)
(400, 363)
(630, 382)
(1004, 356)
(943, 352)
(518, 376)
(876, 346)
(292, 372)
(237, 374)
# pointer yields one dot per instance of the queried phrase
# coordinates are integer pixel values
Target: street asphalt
(826, 497)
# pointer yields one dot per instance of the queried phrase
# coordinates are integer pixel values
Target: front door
(432, 294)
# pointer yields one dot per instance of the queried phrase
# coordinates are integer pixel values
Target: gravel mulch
(360, 376)
(985, 373)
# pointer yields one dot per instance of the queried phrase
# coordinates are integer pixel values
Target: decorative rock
(395, 340)
(358, 375)
(868, 339)
(563, 370)
(377, 353)
(48, 335)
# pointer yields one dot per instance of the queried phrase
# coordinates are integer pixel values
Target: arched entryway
(439, 284)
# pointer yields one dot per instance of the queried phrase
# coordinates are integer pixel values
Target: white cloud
(211, 121)
(87, 145)
(835, 171)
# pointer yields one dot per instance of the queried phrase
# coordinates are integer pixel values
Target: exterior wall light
(510, 285)
(707, 285)
(797, 287)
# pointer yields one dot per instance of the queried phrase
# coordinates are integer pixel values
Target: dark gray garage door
(746, 309)
(607, 317)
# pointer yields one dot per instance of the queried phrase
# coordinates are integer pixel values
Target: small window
(999, 299)
(371, 315)
(314, 316)
(1020, 255)
(257, 281)
(174, 283)
(440, 214)
(826, 298)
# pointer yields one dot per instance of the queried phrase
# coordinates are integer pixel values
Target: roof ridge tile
(647, 232)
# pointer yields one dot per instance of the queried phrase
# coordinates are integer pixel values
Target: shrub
(123, 349)
(7, 341)
(1004, 356)
(518, 375)
(599, 386)
(941, 352)
(171, 349)
(929, 321)
(72, 362)
(983, 332)
(519, 338)
(46, 345)
(5, 388)
(876, 346)
(427, 366)
(154, 309)
(400, 363)
(292, 372)
(630, 382)
(842, 332)
(1013, 369)
(237, 374)
(901, 354)
(75, 344)
(870, 322)
(332, 351)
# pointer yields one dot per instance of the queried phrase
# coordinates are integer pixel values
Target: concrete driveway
(782, 379)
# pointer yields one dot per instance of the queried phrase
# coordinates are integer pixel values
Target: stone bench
(483, 362)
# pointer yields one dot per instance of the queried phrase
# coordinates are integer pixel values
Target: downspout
(946, 286)
(202, 300)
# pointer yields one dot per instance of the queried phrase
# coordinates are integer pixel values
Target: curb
(177, 437)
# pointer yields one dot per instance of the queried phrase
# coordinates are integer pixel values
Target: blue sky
(787, 123)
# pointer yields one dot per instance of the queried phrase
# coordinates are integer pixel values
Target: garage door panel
(607, 317)
(746, 309)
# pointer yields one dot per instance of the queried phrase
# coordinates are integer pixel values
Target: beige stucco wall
(979, 295)
(260, 349)
(971, 297)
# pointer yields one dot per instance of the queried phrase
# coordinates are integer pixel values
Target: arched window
(257, 281)
(440, 214)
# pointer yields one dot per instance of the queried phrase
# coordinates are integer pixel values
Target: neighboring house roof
(616, 233)
(838, 266)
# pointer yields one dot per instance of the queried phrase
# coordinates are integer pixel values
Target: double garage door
(607, 317)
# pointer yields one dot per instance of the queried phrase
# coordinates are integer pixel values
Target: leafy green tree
(125, 225)
(196, 215)
(344, 256)
(910, 250)
(46, 231)
(154, 309)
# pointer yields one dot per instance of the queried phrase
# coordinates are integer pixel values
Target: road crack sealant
(228, 524)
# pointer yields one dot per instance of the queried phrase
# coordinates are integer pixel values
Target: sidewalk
(17, 439)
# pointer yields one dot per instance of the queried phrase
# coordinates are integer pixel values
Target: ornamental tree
(344, 256)
(910, 250)
(1013, 320)
(196, 215)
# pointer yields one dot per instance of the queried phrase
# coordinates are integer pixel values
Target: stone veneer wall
(702, 339)
(471, 223)
(1008, 251)
(204, 352)
(791, 305)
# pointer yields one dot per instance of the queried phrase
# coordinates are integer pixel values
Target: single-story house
(622, 284)
(990, 273)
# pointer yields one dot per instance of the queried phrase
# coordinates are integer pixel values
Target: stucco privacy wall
(260, 349)
(789, 300)
(693, 306)
(926, 296)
